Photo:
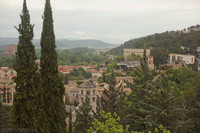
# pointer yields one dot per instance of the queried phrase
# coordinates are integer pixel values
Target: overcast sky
(113, 21)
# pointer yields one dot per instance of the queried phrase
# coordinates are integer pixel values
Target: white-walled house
(188, 59)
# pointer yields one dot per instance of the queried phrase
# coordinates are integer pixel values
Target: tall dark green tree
(28, 100)
(83, 117)
(112, 97)
(4, 94)
(137, 105)
(192, 100)
(51, 81)
(168, 109)
(5, 116)
(70, 121)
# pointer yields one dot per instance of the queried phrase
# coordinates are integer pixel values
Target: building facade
(7, 73)
(139, 52)
(7, 89)
(188, 59)
(89, 88)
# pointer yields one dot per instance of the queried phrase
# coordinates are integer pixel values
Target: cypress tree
(28, 100)
(70, 121)
(51, 81)
(4, 94)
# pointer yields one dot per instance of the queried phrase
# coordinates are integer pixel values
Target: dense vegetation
(7, 61)
(5, 116)
(170, 99)
(27, 105)
(164, 43)
(76, 74)
(79, 56)
(52, 83)
(74, 56)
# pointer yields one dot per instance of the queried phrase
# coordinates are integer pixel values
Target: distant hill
(63, 43)
(170, 41)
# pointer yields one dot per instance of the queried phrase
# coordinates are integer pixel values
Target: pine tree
(111, 99)
(191, 100)
(70, 121)
(51, 81)
(83, 117)
(28, 100)
(137, 105)
(167, 108)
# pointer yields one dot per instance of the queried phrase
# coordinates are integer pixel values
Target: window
(93, 92)
(88, 92)
(11, 72)
(81, 99)
(93, 99)
(81, 92)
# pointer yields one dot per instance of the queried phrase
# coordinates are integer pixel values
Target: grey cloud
(114, 26)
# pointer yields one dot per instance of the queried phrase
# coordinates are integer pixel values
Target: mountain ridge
(62, 43)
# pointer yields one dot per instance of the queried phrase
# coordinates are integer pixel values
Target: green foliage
(111, 66)
(80, 73)
(133, 57)
(5, 116)
(119, 58)
(111, 99)
(181, 76)
(191, 97)
(7, 61)
(100, 80)
(83, 117)
(167, 108)
(51, 81)
(79, 57)
(28, 103)
(70, 121)
(162, 44)
(137, 104)
(160, 56)
(111, 125)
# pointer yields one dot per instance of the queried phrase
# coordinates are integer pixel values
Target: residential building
(122, 81)
(95, 73)
(7, 73)
(71, 92)
(90, 89)
(188, 59)
(140, 52)
(7, 89)
(128, 65)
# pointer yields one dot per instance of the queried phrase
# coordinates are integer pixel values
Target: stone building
(90, 89)
(71, 92)
(140, 52)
